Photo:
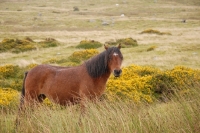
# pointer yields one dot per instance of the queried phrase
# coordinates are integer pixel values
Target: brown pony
(71, 85)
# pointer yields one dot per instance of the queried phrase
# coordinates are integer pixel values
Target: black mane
(98, 65)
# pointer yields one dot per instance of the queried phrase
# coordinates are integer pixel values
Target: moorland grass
(180, 114)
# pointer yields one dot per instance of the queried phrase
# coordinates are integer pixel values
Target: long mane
(98, 65)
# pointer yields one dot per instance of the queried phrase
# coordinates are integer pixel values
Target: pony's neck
(102, 79)
(97, 66)
(105, 75)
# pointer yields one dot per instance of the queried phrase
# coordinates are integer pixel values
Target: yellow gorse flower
(82, 55)
(138, 82)
(8, 96)
(7, 70)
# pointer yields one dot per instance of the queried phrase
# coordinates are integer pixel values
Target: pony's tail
(23, 91)
(21, 106)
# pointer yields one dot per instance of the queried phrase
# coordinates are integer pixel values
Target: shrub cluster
(133, 84)
(8, 71)
(147, 83)
(80, 56)
(48, 42)
(11, 76)
(125, 42)
(89, 44)
(8, 97)
(17, 45)
(151, 31)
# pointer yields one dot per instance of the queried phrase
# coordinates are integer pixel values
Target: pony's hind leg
(31, 98)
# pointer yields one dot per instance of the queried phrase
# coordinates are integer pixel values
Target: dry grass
(178, 115)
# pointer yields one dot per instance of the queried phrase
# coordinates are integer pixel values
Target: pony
(71, 85)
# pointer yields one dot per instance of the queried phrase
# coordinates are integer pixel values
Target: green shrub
(147, 83)
(79, 56)
(27, 44)
(49, 42)
(162, 84)
(125, 42)
(89, 44)
(11, 76)
(16, 84)
(8, 97)
(23, 48)
(7, 44)
(151, 31)
(5, 83)
(8, 71)
(17, 45)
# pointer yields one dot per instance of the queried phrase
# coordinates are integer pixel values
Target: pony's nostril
(118, 72)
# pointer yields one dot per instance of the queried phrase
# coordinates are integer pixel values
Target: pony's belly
(66, 100)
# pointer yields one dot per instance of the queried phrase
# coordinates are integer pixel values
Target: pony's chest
(95, 90)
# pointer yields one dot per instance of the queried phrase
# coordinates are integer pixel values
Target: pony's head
(115, 60)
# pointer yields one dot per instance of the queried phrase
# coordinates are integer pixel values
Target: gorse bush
(16, 45)
(180, 77)
(125, 42)
(11, 76)
(134, 84)
(49, 42)
(79, 56)
(8, 71)
(147, 83)
(89, 44)
(151, 31)
(27, 44)
(8, 97)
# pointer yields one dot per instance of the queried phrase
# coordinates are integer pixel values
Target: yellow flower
(8, 96)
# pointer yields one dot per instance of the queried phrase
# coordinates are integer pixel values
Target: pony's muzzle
(117, 73)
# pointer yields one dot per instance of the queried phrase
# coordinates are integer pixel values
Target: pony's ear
(106, 47)
(119, 46)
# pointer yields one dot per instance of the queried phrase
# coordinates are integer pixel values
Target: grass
(181, 114)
